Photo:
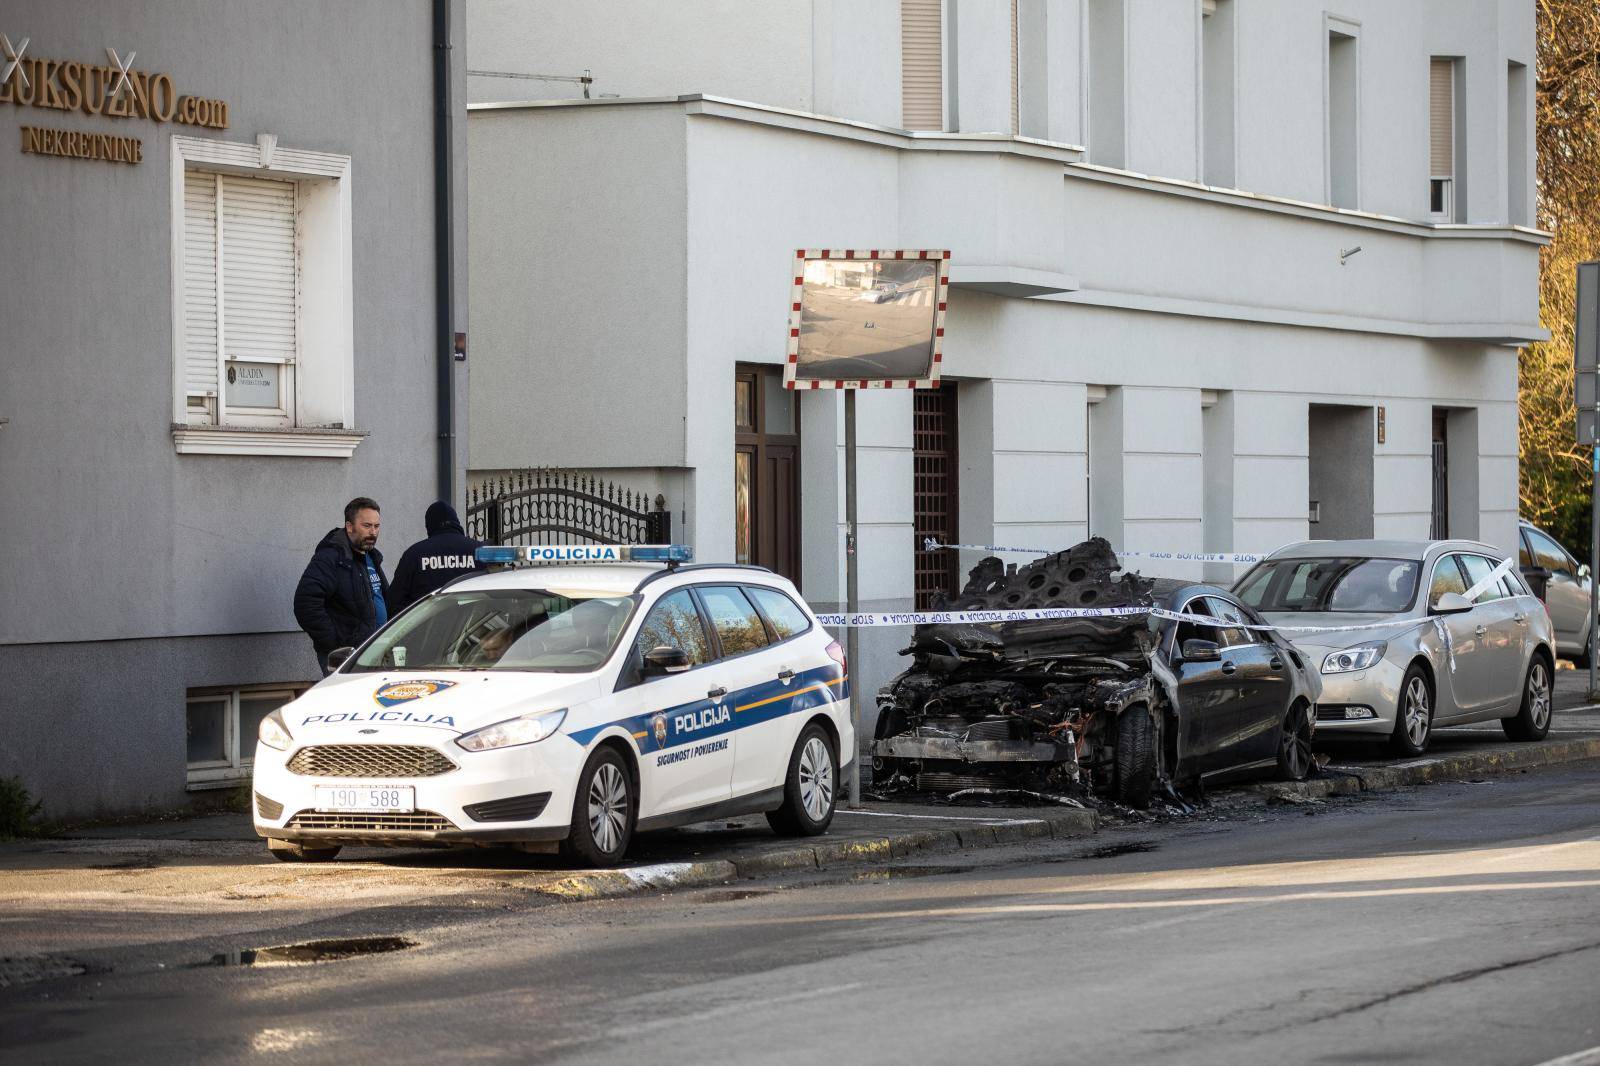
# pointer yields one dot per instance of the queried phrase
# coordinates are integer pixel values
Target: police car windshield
(501, 629)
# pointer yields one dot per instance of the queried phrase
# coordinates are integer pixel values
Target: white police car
(566, 704)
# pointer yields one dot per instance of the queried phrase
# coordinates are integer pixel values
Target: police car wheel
(289, 851)
(603, 812)
(811, 786)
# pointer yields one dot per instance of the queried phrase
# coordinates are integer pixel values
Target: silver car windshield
(1367, 586)
(501, 629)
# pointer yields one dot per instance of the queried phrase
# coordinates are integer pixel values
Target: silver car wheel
(1538, 695)
(1416, 711)
(608, 806)
(816, 779)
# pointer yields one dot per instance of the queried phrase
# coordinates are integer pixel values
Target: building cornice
(1283, 205)
(1069, 155)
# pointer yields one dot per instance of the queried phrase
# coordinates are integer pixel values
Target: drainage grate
(311, 951)
(417, 821)
(370, 760)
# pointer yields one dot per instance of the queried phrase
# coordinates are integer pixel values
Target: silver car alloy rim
(1538, 696)
(608, 807)
(816, 779)
(1417, 711)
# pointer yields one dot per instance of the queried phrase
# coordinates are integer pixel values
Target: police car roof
(615, 579)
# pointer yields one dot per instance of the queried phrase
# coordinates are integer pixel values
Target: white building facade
(1225, 273)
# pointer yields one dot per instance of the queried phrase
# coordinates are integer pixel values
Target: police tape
(1241, 558)
(871, 619)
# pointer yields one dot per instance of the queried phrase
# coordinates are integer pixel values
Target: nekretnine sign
(117, 91)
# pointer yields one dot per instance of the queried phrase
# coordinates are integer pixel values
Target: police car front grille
(370, 760)
(417, 821)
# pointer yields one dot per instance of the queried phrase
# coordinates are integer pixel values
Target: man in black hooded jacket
(343, 596)
(430, 564)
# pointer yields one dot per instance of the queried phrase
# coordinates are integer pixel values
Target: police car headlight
(528, 729)
(1352, 659)
(274, 733)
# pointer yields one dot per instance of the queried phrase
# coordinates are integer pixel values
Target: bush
(18, 809)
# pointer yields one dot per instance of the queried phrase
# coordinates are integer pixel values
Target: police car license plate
(380, 799)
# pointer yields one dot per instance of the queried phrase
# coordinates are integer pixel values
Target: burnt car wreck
(1121, 706)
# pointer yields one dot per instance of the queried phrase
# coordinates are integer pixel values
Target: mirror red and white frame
(941, 301)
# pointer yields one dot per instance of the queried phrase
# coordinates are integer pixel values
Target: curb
(660, 877)
(1355, 779)
(1062, 824)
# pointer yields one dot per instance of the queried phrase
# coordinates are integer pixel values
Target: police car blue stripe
(704, 718)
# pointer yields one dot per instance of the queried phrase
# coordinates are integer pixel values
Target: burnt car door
(1261, 670)
(1207, 689)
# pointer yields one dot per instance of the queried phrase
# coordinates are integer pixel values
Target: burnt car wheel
(810, 788)
(1413, 720)
(1532, 721)
(1294, 746)
(289, 851)
(1136, 757)
(602, 812)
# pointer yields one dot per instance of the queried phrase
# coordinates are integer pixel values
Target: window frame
(319, 417)
(766, 619)
(238, 766)
(1428, 602)
(711, 624)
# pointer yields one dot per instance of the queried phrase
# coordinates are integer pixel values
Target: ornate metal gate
(544, 506)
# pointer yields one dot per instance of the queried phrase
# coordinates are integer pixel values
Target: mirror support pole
(852, 590)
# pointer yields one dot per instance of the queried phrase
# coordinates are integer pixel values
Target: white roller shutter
(200, 282)
(1441, 118)
(258, 268)
(921, 66)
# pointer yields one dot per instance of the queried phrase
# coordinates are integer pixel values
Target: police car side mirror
(338, 657)
(664, 659)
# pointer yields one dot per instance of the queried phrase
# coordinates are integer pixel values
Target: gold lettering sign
(78, 144)
(67, 85)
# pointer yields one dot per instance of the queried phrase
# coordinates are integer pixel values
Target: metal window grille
(934, 493)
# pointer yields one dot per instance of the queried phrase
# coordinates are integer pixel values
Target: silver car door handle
(1520, 619)
(1481, 630)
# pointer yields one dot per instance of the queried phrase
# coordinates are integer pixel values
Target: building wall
(150, 570)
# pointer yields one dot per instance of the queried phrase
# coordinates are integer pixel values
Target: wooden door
(766, 458)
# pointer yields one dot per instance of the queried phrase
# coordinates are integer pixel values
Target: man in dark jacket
(342, 597)
(431, 564)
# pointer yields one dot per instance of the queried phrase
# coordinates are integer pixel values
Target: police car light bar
(512, 554)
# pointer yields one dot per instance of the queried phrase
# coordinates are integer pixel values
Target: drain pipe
(444, 268)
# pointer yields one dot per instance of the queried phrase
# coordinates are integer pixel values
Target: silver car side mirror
(1452, 603)
(1584, 572)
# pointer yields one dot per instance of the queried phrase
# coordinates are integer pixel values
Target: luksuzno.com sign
(116, 90)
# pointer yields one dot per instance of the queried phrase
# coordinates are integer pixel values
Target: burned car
(1121, 705)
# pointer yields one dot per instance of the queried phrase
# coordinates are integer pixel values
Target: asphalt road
(1455, 922)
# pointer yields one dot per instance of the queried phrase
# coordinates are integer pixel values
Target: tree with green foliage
(1555, 471)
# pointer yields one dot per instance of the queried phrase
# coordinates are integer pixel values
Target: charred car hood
(418, 704)
(1080, 577)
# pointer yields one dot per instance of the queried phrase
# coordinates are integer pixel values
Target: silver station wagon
(1456, 636)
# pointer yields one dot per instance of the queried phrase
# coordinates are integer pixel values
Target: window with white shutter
(921, 64)
(1441, 138)
(241, 295)
(263, 293)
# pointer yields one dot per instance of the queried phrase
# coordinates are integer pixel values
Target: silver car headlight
(528, 729)
(1352, 659)
(274, 733)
